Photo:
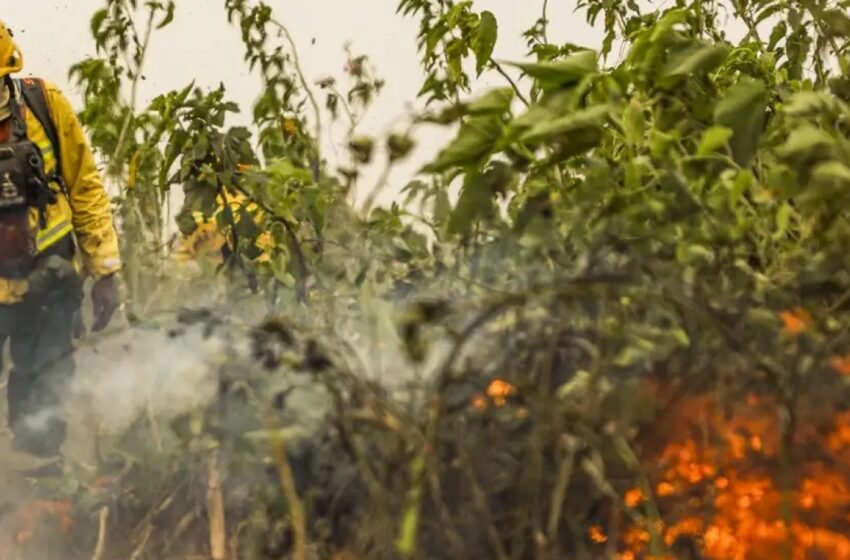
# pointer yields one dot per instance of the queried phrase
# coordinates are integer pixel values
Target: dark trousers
(40, 332)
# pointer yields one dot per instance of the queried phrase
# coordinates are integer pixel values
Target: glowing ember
(841, 364)
(797, 321)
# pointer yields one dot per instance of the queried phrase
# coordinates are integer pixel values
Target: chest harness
(24, 183)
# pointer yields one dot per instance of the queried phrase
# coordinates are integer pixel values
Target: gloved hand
(105, 300)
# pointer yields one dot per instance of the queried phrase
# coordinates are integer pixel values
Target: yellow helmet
(11, 59)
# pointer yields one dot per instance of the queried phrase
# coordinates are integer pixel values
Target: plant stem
(510, 80)
(317, 131)
(215, 510)
(287, 482)
(100, 547)
(377, 189)
(134, 90)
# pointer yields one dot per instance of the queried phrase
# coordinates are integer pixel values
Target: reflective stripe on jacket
(85, 212)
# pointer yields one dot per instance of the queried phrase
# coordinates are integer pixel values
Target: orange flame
(796, 321)
(719, 486)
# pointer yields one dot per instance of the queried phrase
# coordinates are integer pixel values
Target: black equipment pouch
(23, 186)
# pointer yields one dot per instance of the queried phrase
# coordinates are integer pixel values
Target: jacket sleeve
(90, 205)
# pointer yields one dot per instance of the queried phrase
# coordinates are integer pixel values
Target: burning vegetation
(627, 337)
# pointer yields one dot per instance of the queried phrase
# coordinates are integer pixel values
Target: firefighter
(56, 229)
(209, 242)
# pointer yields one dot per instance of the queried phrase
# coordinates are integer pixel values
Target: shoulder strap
(35, 97)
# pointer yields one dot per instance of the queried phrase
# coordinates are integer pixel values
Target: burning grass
(490, 465)
(730, 486)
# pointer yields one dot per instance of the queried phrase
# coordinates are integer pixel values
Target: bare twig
(215, 511)
(377, 189)
(565, 474)
(480, 500)
(157, 438)
(134, 88)
(140, 548)
(287, 483)
(101, 534)
(511, 81)
(752, 31)
(317, 131)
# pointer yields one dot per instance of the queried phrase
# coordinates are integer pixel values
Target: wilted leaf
(742, 110)
(169, 16)
(361, 148)
(399, 146)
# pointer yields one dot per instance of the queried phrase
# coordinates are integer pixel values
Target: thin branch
(134, 89)
(380, 185)
(752, 31)
(479, 498)
(287, 482)
(101, 534)
(510, 80)
(317, 132)
(565, 474)
(215, 512)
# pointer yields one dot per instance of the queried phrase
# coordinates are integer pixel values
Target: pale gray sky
(201, 45)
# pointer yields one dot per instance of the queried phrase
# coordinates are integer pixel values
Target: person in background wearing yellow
(210, 243)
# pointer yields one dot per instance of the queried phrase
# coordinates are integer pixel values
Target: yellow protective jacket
(208, 240)
(85, 212)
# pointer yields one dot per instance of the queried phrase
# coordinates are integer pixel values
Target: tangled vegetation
(626, 337)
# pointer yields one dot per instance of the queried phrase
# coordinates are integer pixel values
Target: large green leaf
(200, 198)
(700, 58)
(583, 119)
(805, 103)
(807, 143)
(560, 73)
(494, 101)
(475, 139)
(837, 23)
(477, 196)
(484, 40)
(743, 110)
(713, 139)
(831, 173)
